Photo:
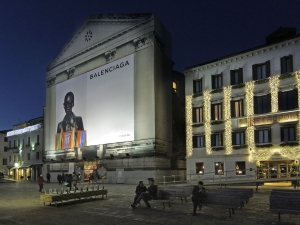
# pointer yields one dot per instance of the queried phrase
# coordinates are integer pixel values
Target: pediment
(96, 31)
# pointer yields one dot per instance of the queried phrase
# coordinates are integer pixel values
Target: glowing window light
(207, 125)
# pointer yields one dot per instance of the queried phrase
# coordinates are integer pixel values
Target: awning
(24, 166)
(36, 165)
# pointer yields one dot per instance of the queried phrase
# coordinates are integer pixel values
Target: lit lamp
(16, 164)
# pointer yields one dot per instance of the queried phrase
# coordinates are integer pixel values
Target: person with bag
(198, 194)
(40, 181)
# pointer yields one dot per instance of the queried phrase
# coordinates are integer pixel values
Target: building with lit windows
(110, 106)
(242, 112)
(25, 150)
(3, 152)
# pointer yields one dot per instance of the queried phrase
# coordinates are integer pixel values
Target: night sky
(33, 33)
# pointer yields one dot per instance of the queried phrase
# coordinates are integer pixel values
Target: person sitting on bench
(139, 190)
(150, 194)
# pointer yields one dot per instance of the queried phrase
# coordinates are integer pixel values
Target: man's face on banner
(68, 104)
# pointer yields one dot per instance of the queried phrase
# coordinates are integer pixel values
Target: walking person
(150, 194)
(48, 176)
(74, 180)
(40, 181)
(198, 194)
(59, 179)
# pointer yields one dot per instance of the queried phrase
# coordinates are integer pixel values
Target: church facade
(111, 112)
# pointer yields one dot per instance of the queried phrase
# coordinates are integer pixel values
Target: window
(261, 71)
(238, 138)
(219, 168)
(262, 136)
(288, 100)
(9, 158)
(262, 104)
(288, 134)
(18, 143)
(28, 141)
(9, 144)
(216, 81)
(14, 158)
(5, 139)
(217, 140)
(216, 111)
(174, 88)
(4, 162)
(237, 108)
(236, 76)
(200, 168)
(240, 168)
(28, 156)
(37, 155)
(198, 141)
(14, 143)
(197, 86)
(198, 115)
(286, 64)
(18, 158)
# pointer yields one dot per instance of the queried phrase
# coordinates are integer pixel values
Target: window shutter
(213, 82)
(232, 77)
(282, 65)
(281, 134)
(270, 135)
(295, 98)
(203, 140)
(294, 137)
(194, 115)
(233, 138)
(268, 72)
(221, 80)
(194, 141)
(269, 102)
(241, 80)
(256, 136)
(242, 103)
(254, 72)
(212, 140)
(255, 104)
(280, 106)
(232, 109)
(221, 138)
(212, 109)
(292, 68)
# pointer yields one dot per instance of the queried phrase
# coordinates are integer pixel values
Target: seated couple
(147, 194)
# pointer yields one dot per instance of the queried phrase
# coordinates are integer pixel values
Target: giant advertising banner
(96, 107)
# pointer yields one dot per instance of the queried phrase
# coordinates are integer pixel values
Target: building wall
(253, 154)
(3, 153)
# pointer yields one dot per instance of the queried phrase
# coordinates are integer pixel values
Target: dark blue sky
(33, 32)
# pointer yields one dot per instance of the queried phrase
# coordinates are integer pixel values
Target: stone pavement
(20, 204)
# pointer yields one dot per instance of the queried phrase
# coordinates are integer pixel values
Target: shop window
(261, 71)
(262, 136)
(237, 108)
(198, 115)
(216, 81)
(199, 141)
(262, 104)
(236, 76)
(216, 111)
(217, 139)
(288, 100)
(238, 138)
(197, 86)
(286, 64)
(200, 168)
(219, 168)
(240, 168)
(288, 134)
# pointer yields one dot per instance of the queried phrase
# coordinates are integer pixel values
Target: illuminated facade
(25, 150)
(110, 102)
(242, 113)
(3, 152)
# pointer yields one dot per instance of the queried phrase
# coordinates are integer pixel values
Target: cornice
(105, 41)
(242, 56)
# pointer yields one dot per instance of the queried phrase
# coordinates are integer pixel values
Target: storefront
(277, 169)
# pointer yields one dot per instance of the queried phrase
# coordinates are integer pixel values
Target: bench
(164, 197)
(245, 193)
(217, 198)
(180, 192)
(55, 196)
(285, 202)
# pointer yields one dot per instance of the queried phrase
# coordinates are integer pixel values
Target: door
(120, 176)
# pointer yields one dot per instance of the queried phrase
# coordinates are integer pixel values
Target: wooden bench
(180, 192)
(245, 193)
(285, 202)
(55, 196)
(217, 198)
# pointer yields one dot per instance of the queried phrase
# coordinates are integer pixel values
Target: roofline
(240, 52)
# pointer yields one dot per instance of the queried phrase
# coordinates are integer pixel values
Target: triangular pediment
(98, 30)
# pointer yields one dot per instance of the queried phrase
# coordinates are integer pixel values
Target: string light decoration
(297, 75)
(189, 123)
(207, 125)
(274, 81)
(249, 87)
(227, 118)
